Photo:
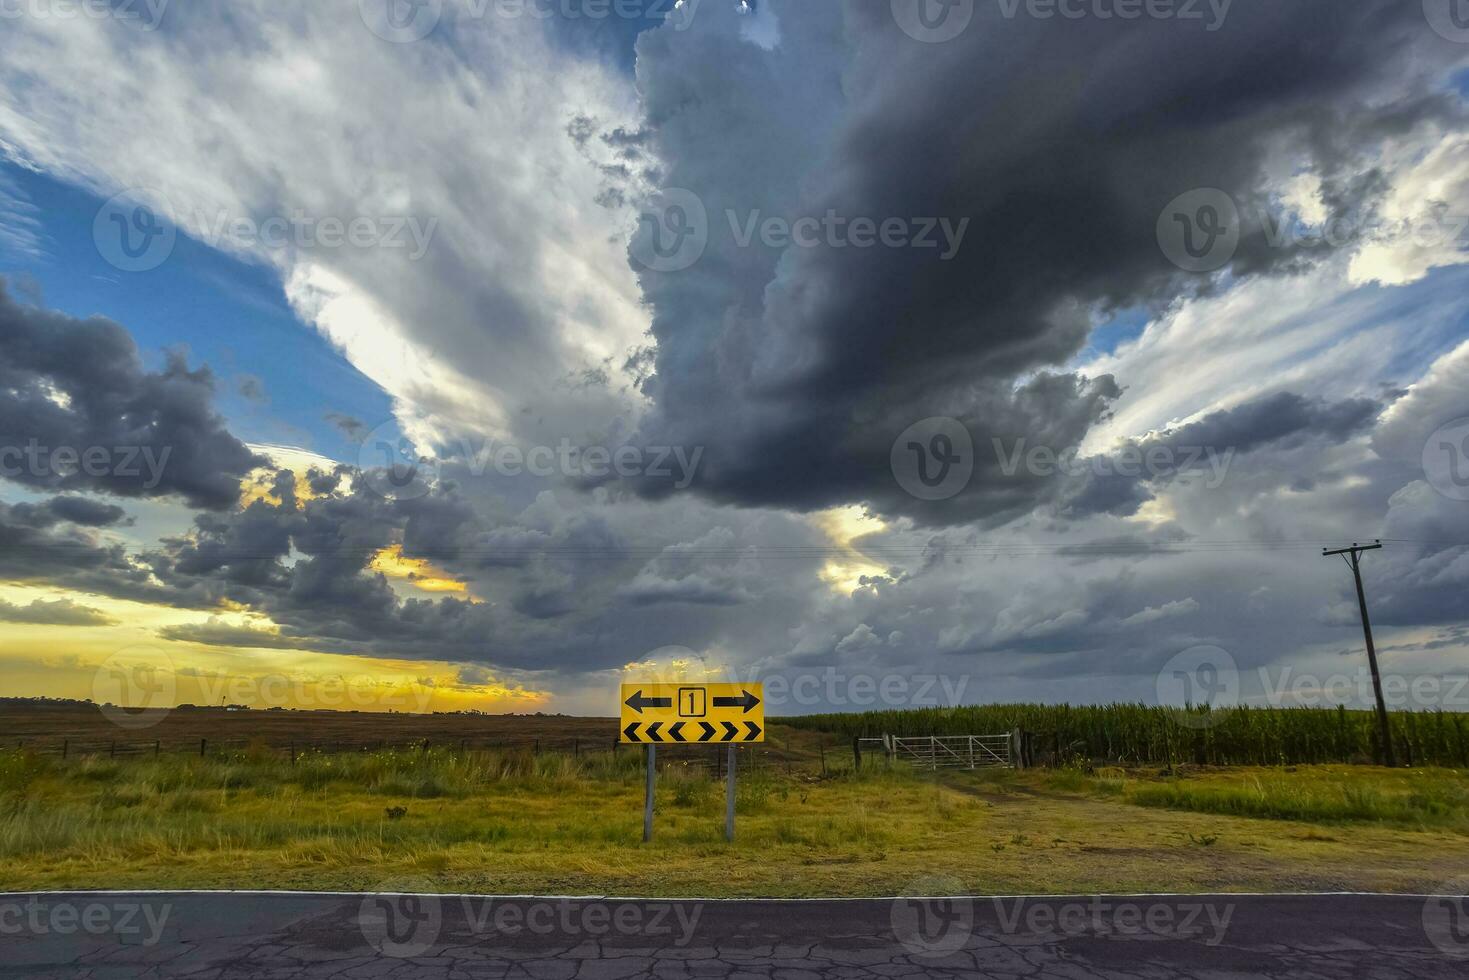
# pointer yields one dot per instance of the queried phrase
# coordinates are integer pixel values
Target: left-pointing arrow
(637, 702)
(675, 731)
(631, 731)
(652, 732)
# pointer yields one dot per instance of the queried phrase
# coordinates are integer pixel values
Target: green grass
(1437, 799)
(514, 822)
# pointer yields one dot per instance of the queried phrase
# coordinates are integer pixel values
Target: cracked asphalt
(281, 935)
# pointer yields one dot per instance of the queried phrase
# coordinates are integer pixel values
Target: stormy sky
(513, 349)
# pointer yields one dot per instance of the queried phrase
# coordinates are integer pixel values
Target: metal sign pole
(730, 797)
(652, 751)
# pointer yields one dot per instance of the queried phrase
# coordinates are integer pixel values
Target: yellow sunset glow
(418, 572)
(844, 526)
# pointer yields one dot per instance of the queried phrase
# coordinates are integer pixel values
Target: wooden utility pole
(1353, 558)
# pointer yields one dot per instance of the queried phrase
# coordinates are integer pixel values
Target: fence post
(856, 752)
(157, 747)
(1017, 760)
(112, 749)
(203, 745)
(65, 747)
(293, 751)
(822, 747)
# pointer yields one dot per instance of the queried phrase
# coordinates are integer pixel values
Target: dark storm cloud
(78, 411)
(1059, 142)
(56, 612)
(74, 510)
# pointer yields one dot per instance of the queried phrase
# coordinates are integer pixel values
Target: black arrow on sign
(637, 702)
(745, 700)
(674, 732)
(631, 731)
(652, 732)
(754, 731)
(708, 731)
(730, 732)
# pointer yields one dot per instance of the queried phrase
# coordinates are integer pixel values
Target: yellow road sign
(674, 713)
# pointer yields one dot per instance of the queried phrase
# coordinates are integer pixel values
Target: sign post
(664, 714)
(729, 798)
(651, 752)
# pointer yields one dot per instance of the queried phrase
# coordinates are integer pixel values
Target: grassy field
(512, 821)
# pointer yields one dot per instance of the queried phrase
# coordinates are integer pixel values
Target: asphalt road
(239, 934)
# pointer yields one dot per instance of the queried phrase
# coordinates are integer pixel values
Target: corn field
(1136, 733)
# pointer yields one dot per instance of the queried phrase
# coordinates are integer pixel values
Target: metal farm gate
(945, 751)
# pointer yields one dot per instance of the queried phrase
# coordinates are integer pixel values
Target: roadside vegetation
(518, 822)
(1137, 733)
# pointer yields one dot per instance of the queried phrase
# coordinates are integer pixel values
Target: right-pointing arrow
(754, 731)
(746, 700)
(730, 732)
(708, 731)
